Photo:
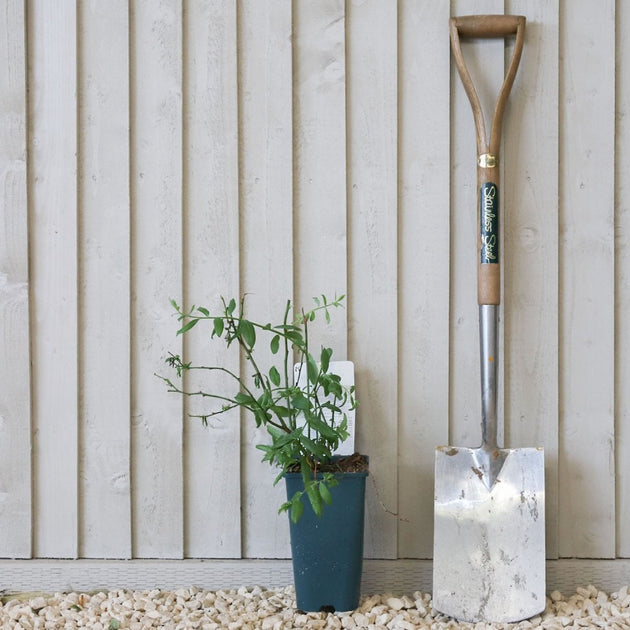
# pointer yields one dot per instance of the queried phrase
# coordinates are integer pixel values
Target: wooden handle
(488, 25)
(489, 272)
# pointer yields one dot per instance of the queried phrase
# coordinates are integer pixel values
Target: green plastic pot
(327, 551)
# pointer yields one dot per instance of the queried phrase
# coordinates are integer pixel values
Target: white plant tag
(344, 369)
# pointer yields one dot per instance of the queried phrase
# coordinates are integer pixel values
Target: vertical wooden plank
(320, 159)
(15, 412)
(53, 257)
(485, 61)
(156, 246)
(423, 324)
(373, 223)
(266, 192)
(530, 214)
(586, 458)
(105, 517)
(211, 254)
(622, 267)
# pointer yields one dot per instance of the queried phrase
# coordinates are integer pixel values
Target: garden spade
(489, 536)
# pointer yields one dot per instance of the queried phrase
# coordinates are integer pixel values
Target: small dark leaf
(315, 498)
(187, 327)
(297, 509)
(261, 417)
(231, 306)
(243, 399)
(274, 376)
(218, 326)
(321, 427)
(325, 493)
(305, 470)
(275, 344)
(247, 332)
(325, 358)
(300, 402)
(311, 369)
(280, 411)
(295, 337)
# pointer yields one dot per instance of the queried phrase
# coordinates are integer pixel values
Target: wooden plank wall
(156, 149)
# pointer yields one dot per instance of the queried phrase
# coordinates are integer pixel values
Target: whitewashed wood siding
(187, 149)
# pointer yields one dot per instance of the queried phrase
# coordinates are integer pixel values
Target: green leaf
(218, 326)
(261, 416)
(274, 376)
(325, 358)
(315, 448)
(280, 410)
(275, 344)
(297, 509)
(320, 426)
(325, 493)
(315, 498)
(204, 311)
(294, 337)
(187, 327)
(300, 402)
(114, 624)
(247, 332)
(311, 369)
(243, 399)
(230, 307)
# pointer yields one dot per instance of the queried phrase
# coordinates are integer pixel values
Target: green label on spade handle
(489, 216)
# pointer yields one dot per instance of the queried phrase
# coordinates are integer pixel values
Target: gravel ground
(260, 609)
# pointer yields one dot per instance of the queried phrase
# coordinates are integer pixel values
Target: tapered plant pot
(327, 551)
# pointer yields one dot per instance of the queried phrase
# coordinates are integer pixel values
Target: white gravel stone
(260, 609)
(395, 603)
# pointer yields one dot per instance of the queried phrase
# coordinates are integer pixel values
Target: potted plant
(303, 412)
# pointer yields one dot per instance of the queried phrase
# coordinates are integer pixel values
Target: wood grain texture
(15, 435)
(211, 261)
(371, 48)
(424, 249)
(319, 160)
(531, 251)
(586, 458)
(622, 278)
(154, 149)
(156, 247)
(266, 196)
(104, 282)
(53, 256)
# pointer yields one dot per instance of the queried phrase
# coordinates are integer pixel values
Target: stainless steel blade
(489, 542)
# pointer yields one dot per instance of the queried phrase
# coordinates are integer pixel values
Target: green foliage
(305, 423)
